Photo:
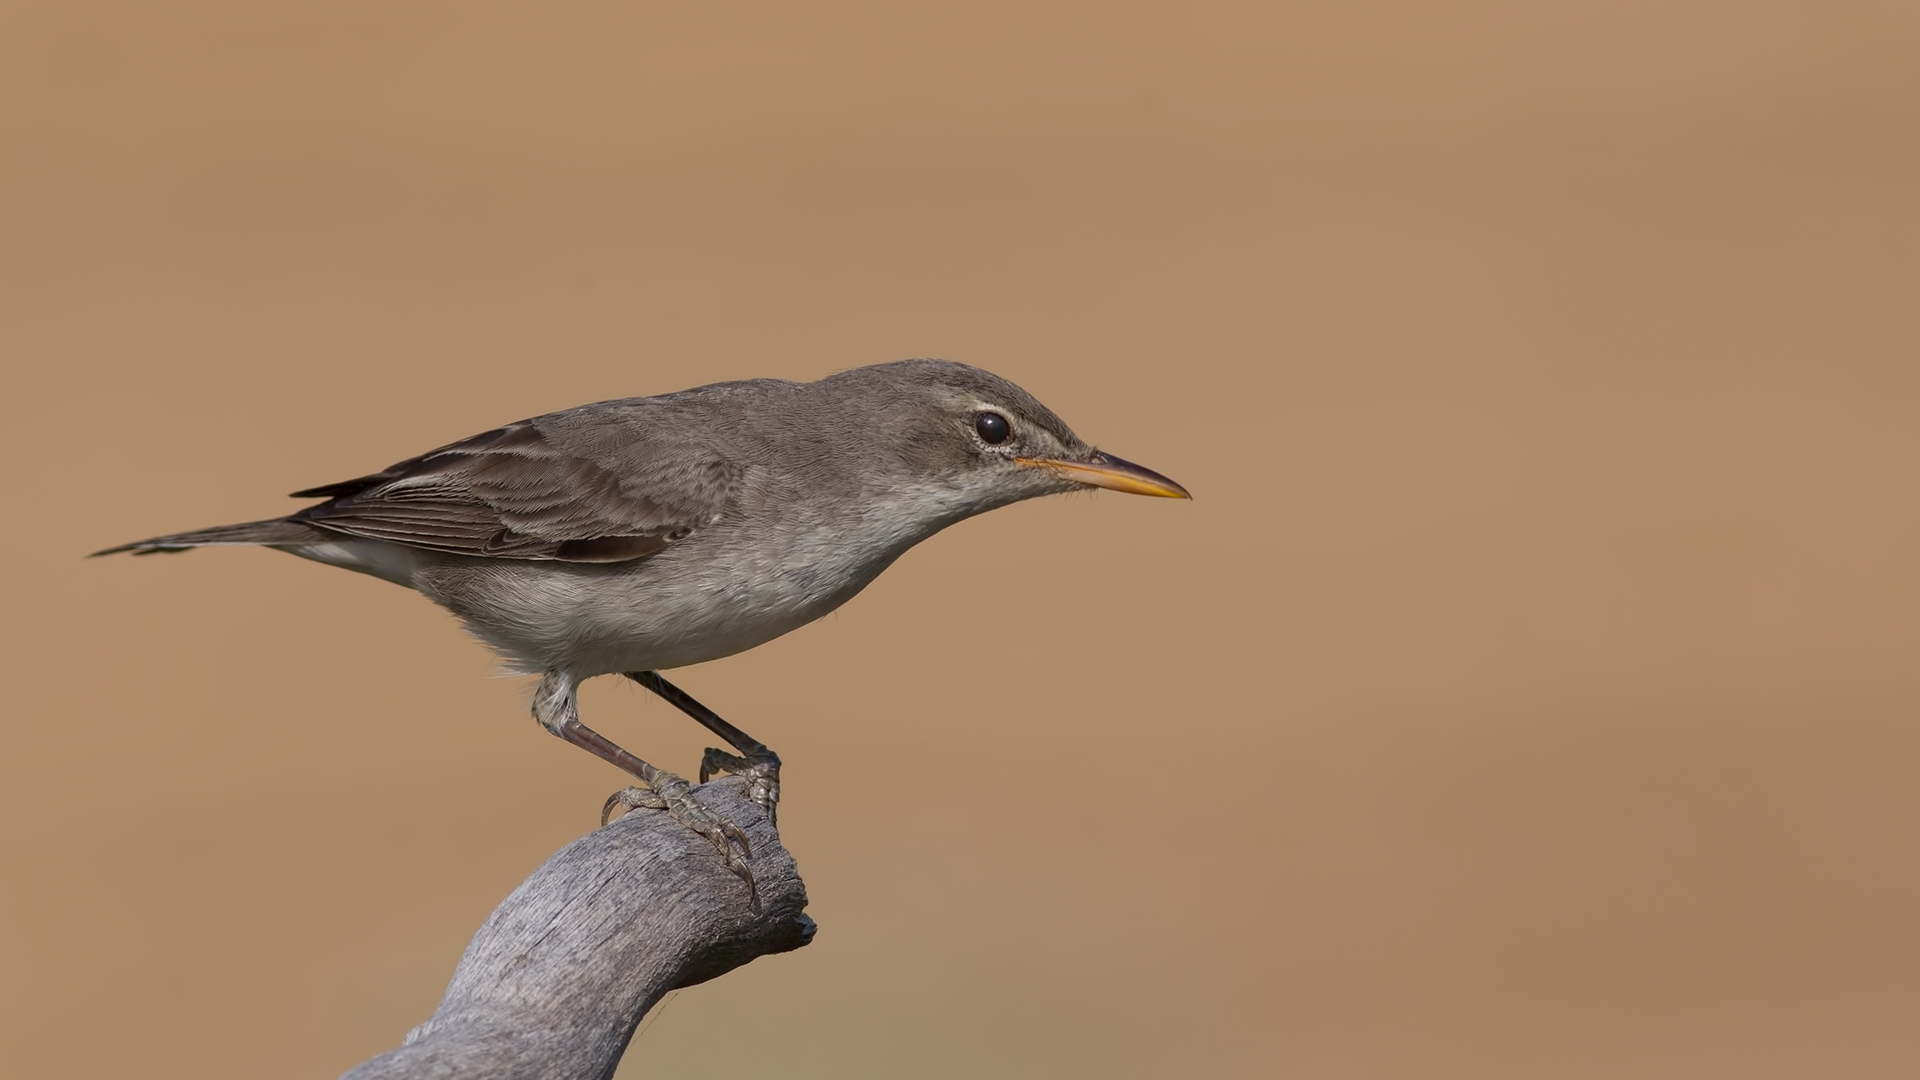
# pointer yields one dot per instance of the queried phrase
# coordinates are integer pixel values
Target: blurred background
(1529, 690)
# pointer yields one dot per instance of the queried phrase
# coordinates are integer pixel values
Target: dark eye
(993, 428)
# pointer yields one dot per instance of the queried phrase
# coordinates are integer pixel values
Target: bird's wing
(524, 491)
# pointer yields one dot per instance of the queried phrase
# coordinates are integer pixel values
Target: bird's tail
(275, 531)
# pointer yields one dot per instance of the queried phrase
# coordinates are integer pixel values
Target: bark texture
(561, 973)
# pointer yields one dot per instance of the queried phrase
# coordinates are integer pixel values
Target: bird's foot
(760, 768)
(751, 759)
(665, 791)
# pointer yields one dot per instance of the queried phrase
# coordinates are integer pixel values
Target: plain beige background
(1529, 692)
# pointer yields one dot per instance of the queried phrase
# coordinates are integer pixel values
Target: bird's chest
(784, 580)
(704, 601)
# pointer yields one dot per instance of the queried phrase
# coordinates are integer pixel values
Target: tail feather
(275, 531)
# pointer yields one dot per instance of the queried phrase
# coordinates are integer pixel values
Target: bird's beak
(1107, 471)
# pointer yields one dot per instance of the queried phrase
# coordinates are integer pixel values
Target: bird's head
(974, 440)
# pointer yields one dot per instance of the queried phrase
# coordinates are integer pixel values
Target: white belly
(657, 613)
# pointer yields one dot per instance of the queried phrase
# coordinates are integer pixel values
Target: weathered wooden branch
(559, 976)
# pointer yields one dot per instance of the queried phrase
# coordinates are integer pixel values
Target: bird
(643, 534)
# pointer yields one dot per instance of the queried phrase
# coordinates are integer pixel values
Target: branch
(561, 973)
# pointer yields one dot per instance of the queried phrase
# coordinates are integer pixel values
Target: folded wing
(528, 491)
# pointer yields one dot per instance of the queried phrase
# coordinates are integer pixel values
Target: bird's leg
(759, 765)
(554, 707)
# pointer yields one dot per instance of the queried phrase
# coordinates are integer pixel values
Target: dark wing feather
(574, 489)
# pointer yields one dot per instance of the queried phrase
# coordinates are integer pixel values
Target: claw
(676, 798)
(633, 798)
(761, 771)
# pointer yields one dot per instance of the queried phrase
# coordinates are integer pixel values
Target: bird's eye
(993, 428)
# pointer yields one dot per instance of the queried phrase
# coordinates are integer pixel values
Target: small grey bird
(648, 533)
